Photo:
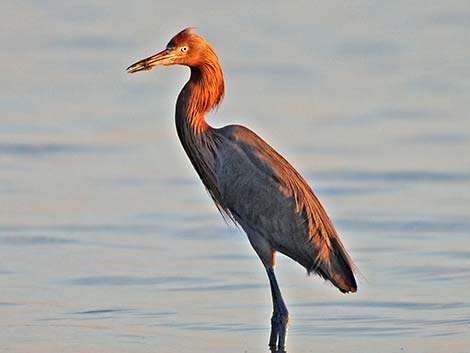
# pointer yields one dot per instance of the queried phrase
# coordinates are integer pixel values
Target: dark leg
(280, 318)
(274, 319)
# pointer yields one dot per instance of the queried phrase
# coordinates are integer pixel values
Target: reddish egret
(250, 182)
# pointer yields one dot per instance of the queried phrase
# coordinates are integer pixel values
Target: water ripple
(132, 280)
(403, 225)
(100, 311)
(227, 287)
(45, 149)
(397, 176)
(35, 240)
(400, 305)
(83, 228)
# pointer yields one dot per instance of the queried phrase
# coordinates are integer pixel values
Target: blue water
(108, 241)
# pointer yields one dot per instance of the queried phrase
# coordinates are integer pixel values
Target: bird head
(185, 48)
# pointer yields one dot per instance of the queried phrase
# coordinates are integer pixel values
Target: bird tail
(338, 268)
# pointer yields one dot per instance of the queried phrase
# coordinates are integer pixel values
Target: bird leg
(280, 318)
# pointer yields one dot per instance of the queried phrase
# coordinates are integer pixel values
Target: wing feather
(320, 237)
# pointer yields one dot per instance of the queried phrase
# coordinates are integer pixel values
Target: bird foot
(279, 327)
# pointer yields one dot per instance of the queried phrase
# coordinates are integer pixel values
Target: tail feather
(339, 269)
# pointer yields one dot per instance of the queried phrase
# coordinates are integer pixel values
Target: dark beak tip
(139, 66)
(133, 69)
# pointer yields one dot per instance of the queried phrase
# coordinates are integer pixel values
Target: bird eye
(184, 49)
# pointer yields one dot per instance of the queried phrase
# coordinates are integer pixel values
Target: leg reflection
(273, 350)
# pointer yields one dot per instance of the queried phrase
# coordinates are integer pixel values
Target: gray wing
(268, 197)
(250, 188)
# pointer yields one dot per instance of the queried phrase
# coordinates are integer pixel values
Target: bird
(250, 183)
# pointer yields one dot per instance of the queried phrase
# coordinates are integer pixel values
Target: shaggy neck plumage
(203, 92)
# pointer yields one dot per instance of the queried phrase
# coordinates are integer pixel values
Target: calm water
(108, 242)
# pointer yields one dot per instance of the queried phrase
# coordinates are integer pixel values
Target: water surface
(108, 241)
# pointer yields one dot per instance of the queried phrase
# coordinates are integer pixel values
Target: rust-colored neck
(202, 93)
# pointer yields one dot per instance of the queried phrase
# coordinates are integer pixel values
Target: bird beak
(165, 57)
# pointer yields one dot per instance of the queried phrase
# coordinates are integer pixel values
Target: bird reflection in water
(272, 350)
(250, 183)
